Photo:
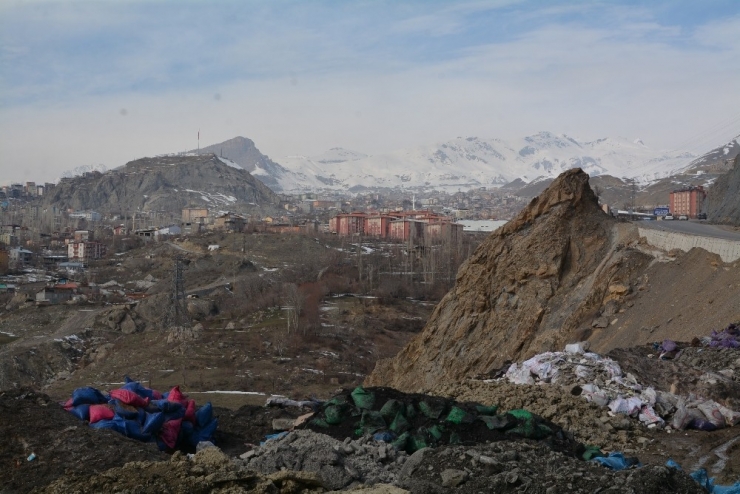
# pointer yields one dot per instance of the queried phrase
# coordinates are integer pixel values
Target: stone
(249, 454)
(600, 322)
(282, 424)
(565, 237)
(452, 477)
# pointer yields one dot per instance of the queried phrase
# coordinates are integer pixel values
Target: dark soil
(239, 430)
(31, 423)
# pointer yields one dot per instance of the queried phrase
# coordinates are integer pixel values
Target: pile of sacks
(601, 380)
(145, 414)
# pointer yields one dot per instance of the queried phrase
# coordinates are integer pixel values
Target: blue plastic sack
(133, 430)
(616, 461)
(205, 433)
(115, 424)
(122, 411)
(386, 436)
(168, 406)
(204, 415)
(272, 437)
(82, 412)
(153, 422)
(87, 396)
(187, 436)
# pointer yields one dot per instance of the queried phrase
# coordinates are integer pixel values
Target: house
(120, 230)
(85, 251)
(55, 294)
(688, 201)
(82, 236)
(230, 222)
(168, 230)
(20, 257)
(194, 215)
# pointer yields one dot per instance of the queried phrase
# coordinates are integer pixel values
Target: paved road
(699, 228)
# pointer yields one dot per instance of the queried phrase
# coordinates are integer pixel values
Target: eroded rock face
(533, 285)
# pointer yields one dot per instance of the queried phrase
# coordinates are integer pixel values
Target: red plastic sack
(177, 396)
(100, 412)
(190, 411)
(169, 432)
(129, 398)
(68, 405)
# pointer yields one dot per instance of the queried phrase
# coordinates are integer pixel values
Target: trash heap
(727, 338)
(600, 380)
(170, 419)
(410, 422)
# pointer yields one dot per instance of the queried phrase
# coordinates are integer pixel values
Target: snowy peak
(469, 162)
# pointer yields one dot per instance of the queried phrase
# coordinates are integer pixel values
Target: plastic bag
(681, 417)
(82, 412)
(711, 411)
(129, 398)
(363, 399)
(100, 412)
(732, 417)
(519, 375)
(87, 396)
(204, 415)
(648, 416)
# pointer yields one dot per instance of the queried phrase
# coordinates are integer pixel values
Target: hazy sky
(88, 82)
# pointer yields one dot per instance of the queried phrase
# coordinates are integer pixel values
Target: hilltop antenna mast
(198, 140)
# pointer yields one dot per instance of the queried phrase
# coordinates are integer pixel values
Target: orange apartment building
(689, 201)
(401, 225)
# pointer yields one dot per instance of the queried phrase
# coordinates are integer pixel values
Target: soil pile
(542, 280)
(30, 423)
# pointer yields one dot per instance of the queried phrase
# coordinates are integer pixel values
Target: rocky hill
(244, 153)
(166, 184)
(723, 198)
(536, 283)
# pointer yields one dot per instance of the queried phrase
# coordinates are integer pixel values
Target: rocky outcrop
(533, 285)
(723, 198)
(165, 183)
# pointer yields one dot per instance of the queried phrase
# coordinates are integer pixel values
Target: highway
(692, 227)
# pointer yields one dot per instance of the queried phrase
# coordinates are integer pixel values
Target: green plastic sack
(459, 416)
(522, 414)
(371, 422)
(338, 400)
(498, 422)
(363, 399)
(333, 415)
(401, 442)
(436, 432)
(320, 423)
(391, 409)
(431, 411)
(410, 411)
(418, 441)
(484, 410)
(400, 424)
(455, 438)
(592, 452)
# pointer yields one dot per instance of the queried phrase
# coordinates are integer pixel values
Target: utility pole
(178, 309)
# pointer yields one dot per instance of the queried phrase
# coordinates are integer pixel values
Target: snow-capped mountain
(469, 162)
(718, 159)
(81, 170)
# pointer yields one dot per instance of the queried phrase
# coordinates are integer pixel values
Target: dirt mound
(30, 423)
(532, 286)
(210, 470)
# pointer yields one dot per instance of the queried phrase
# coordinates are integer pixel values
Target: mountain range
(460, 163)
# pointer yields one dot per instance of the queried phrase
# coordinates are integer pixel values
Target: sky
(105, 82)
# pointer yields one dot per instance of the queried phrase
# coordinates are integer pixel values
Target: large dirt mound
(533, 285)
